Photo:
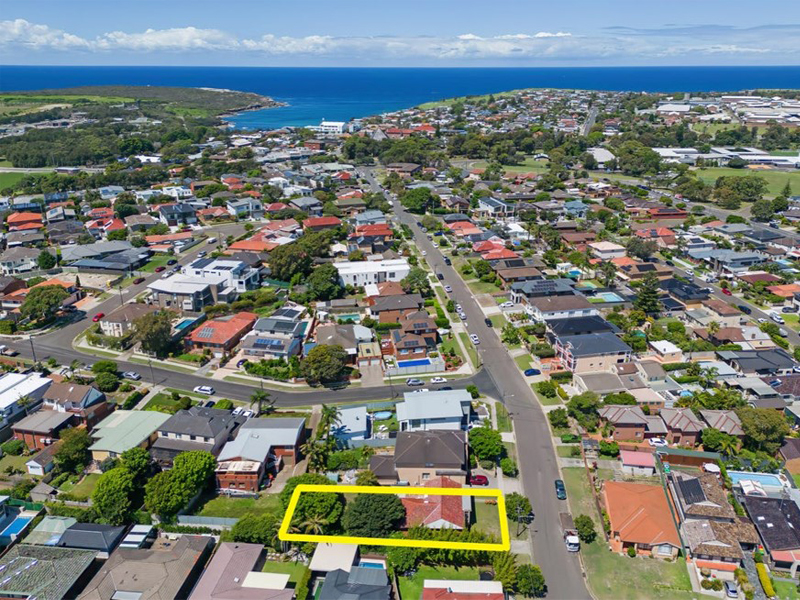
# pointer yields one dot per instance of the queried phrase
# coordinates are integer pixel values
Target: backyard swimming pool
(16, 526)
(418, 362)
(765, 479)
(371, 564)
(354, 318)
(382, 415)
(609, 297)
(184, 324)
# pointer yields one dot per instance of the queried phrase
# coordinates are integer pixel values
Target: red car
(727, 292)
(98, 316)
(479, 480)
(159, 269)
(138, 280)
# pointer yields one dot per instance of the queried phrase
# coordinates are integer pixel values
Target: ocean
(340, 94)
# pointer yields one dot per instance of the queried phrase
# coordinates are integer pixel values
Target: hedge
(766, 582)
(383, 327)
(675, 366)
(301, 590)
(133, 399)
(561, 377)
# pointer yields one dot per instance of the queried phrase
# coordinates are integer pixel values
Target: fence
(380, 405)
(373, 443)
(212, 522)
(436, 365)
(35, 506)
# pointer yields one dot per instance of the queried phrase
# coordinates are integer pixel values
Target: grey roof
(777, 522)
(42, 572)
(441, 449)
(73, 253)
(725, 421)
(623, 414)
(398, 302)
(446, 404)
(361, 583)
(92, 536)
(257, 436)
(543, 287)
(581, 325)
(352, 419)
(197, 420)
(592, 344)
(49, 530)
(283, 326)
(159, 573)
(43, 421)
(759, 361)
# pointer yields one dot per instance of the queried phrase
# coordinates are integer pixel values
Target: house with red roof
(102, 227)
(463, 228)
(253, 245)
(663, 236)
(321, 223)
(215, 212)
(101, 213)
(221, 335)
(450, 589)
(24, 220)
(500, 254)
(437, 512)
(275, 207)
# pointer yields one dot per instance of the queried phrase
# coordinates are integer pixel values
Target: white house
(178, 192)
(237, 274)
(353, 424)
(19, 260)
(361, 273)
(607, 250)
(16, 386)
(422, 411)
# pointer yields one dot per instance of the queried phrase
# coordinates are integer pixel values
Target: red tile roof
(426, 510)
(446, 594)
(223, 330)
(23, 217)
(321, 222)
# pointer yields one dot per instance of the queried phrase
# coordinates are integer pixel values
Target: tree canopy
(373, 515)
(152, 331)
(324, 364)
(42, 302)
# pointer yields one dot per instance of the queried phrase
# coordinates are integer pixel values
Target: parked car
(507, 305)
(488, 322)
(98, 316)
(209, 404)
(658, 442)
(762, 320)
(420, 391)
(131, 375)
(159, 269)
(782, 332)
(172, 261)
(745, 309)
(475, 339)
(775, 383)
(448, 289)
(248, 414)
(459, 309)
(424, 253)
(201, 254)
(438, 380)
(447, 261)
(241, 363)
(789, 309)
(462, 316)
(479, 480)
(730, 589)
(561, 490)
(211, 240)
(204, 389)
(238, 410)
(138, 280)
(440, 277)
(413, 382)
(727, 292)
(777, 318)
(532, 372)
(669, 263)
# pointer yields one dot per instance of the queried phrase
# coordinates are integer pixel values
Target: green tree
(165, 495)
(486, 443)
(257, 529)
(510, 335)
(111, 497)
(517, 506)
(42, 302)
(634, 158)
(289, 260)
(45, 260)
(417, 200)
(558, 418)
(105, 366)
(505, 570)
(324, 284)
(264, 403)
(585, 527)
(195, 467)
(608, 273)
(324, 364)
(641, 248)
(530, 581)
(366, 478)
(328, 506)
(73, 453)
(715, 440)
(402, 559)
(417, 282)
(373, 515)
(762, 210)
(647, 299)
(106, 382)
(764, 428)
(138, 463)
(153, 331)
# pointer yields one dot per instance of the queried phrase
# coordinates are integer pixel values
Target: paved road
(590, 119)
(538, 462)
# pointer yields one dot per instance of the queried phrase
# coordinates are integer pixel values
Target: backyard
(295, 570)
(613, 576)
(84, 487)
(411, 587)
(224, 506)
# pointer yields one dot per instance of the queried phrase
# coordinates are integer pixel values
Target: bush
(224, 404)
(631, 552)
(14, 447)
(301, 591)
(509, 467)
(561, 377)
(487, 465)
(766, 582)
(558, 418)
(133, 399)
(609, 448)
(473, 391)
(106, 382)
(570, 438)
(546, 389)
(585, 527)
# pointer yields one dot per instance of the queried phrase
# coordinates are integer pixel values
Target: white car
(248, 414)
(657, 442)
(438, 380)
(237, 411)
(474, 338)
(462, 316)
(459, 309)
(424, 253)
(204, 389)
(420, 390)
(778, 319)
(507, 305)
(762, 320)
(448, 289)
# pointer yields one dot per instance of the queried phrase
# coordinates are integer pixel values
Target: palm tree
(713, 328)
(74, 366)
(317, 455)
(260, 397)
(25, 403)
(314, 524)
(708, 377)
(330, 417)
(729, 445)
(608, 271)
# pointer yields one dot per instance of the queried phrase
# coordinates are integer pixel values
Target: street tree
(486, 443)
(373, 515)
(324, 364)
(530, 581)
(417, 282)
(105, 366)
(517, 506)
(505, 570)
(585, 527)
(152, 331)
(264, 403)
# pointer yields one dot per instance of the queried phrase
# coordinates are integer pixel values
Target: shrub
(561, 393)
(561, 377)
(585, 528)
(546, 389)
(133, 399)
(301, 591)
(486, 465)
(558, 418)
(609, 448)
(106, 382)
(766, 582)
(14, 447)
(570, 438)
(224, 404)
(631, 552)
(473, 391)
(509, 467)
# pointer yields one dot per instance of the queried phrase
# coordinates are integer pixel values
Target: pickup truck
(571, 539)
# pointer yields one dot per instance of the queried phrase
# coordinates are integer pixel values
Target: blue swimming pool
(16, 526)
(184, 324)
(353, 318)
(418, 362)
(766, 479)
(609, 297)
(382, 415)
(371, 565)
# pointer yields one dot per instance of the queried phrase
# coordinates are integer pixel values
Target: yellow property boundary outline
(503, 546)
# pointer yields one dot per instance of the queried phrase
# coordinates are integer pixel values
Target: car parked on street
(420, 391)
(138, 280)
(448, 289)
(475, 339)
(172, 261)
(488, 322)
(204, 389)
(745, 309)
(561, 490)
(413, 382)
(727, 292)
(131, 375)
(159, 269)
(98, 316)
(438, 380)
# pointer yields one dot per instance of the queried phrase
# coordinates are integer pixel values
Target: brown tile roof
(701, 496)
(682, 419)
(639, 513)
(721, 308)
(726, 421)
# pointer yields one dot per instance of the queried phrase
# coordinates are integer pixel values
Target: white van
(212, 240)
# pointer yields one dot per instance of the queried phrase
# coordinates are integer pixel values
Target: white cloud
(620, 44)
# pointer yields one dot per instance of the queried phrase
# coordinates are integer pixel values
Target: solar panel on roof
(205, 333)
(692, 490)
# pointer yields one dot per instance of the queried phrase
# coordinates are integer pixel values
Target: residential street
(538, 462)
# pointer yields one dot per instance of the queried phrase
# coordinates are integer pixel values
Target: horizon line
(710, 66)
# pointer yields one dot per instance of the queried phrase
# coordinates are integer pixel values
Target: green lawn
(9, 460)
(566, 451)
(524, 361)
(498, 321)
(190, 394)
(86, 486)
(293, 569)
(411, 587)
(223, 506)
(615, 577)
(528, 165)
(776, 180)
(158, 261)
(453, 345)
(545, 401)
(792, 321)
(473, 354)
(503, 420)
(487, 518)
(482, 287)
(796, 479)
(162, 402)
(786, 590)
(9, 179)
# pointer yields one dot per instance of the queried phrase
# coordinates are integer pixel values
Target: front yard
(411, 587)
(503, 419)
(157, 261)
(163, 403)
(615, 577)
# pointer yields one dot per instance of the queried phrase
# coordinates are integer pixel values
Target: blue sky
(410, 33)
